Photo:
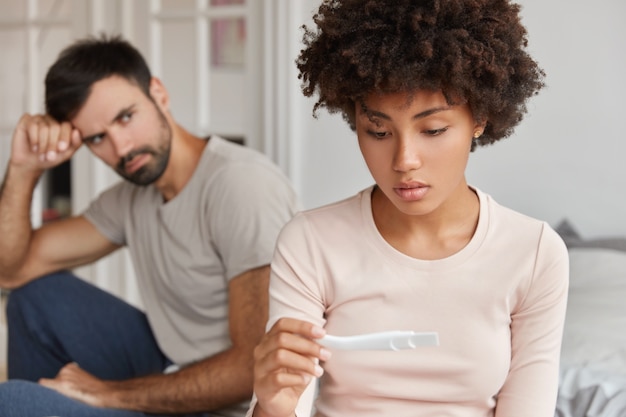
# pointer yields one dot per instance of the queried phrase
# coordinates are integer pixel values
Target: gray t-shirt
(223, 223)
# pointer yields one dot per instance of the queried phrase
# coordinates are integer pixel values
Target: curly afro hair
(473, 51)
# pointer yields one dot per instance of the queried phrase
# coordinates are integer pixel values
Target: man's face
(125, 129)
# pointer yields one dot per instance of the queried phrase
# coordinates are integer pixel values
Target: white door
(31, 34)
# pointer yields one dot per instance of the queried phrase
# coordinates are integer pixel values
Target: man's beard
(149, 172)
(152, 171)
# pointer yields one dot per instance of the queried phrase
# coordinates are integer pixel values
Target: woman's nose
(406, 155)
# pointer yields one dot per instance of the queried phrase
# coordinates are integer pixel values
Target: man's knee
(42, 286)
(39, 293)
(20, 398)
(15, 391)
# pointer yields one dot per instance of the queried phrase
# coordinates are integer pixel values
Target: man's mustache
(121, 165)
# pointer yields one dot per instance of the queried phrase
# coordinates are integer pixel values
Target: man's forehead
(113, 87)
(107, 98)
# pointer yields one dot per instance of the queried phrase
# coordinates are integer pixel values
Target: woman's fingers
(288, 354)
(296, 336)
(295, 326)
(285, 362)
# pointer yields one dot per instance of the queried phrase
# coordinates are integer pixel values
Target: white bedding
(591, 393)
(593, 375)
(595, 326)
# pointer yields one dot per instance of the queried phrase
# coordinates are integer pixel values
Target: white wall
(332, 164)
(566, 158)
(331, 167)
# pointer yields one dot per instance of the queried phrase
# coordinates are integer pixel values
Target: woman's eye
(377, 134)
(126, 117)
(435, 132)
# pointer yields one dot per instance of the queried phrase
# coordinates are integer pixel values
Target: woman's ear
(159, 94)
(479, 128)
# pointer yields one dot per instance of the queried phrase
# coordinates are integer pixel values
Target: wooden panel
(177, 5)
(12, 11)
(12, 76)
(179, 69)
(53, 9)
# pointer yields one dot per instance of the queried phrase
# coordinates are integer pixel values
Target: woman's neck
(435, 235)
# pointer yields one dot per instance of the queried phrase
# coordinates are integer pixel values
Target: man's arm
(216, 382)
(62, 244)
(15, 226)
(40, 143)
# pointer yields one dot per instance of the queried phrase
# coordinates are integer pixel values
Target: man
(200, 218)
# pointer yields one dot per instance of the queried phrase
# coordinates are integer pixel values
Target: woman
(422, 83)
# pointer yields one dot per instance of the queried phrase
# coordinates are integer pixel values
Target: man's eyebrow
(122, 113)
(420, 115)
(117, 117)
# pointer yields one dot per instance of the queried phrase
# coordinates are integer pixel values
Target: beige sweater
(498, 306)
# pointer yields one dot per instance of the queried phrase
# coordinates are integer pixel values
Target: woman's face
(416, 147)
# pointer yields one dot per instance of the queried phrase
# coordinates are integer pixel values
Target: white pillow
(597, 267)
(595, 325)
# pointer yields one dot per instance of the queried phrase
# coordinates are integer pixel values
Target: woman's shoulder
(521, 227)
(348, 204)
(340, 216)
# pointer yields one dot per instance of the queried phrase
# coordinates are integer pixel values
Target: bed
(593, 360)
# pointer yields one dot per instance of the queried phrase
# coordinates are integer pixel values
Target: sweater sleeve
(537, 324)
(296, 290)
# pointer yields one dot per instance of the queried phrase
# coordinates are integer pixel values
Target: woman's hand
(285, 362)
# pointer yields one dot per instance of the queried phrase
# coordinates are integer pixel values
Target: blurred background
(229, 68)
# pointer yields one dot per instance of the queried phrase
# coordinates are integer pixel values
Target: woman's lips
(411, 192)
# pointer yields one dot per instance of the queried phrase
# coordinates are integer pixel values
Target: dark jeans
(58, 319)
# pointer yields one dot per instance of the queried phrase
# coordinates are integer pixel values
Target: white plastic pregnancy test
(391, 340)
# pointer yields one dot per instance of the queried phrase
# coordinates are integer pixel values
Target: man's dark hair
(471, 50)
(69, 80)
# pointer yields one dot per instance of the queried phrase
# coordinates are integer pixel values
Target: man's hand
(78, 384)
(219, 381)
(40, 142)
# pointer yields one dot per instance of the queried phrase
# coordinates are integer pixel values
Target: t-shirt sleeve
(106, 213)
(248, 205)
(536, 333)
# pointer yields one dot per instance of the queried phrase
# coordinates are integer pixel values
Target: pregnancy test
(391, 340)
